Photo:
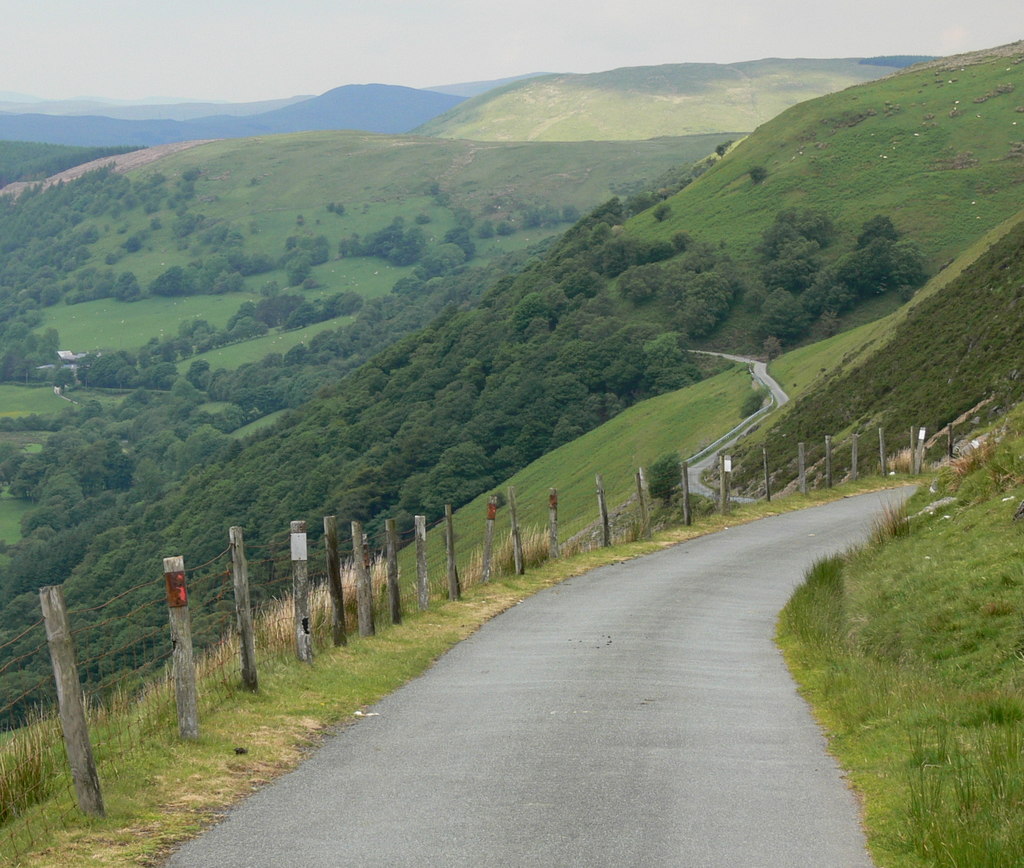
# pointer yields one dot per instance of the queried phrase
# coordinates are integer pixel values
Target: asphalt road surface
(636, 715)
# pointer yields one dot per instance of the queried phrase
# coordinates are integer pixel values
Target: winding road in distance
(709, 454)
(639, 714)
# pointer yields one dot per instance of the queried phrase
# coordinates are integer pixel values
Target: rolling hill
(264, 191)
(648, 101)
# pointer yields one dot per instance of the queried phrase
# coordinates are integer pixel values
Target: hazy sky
(261, 49)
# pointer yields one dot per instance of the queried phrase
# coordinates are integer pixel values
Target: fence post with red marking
(182, 657)
(553, 548)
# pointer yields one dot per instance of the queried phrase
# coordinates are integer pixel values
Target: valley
(377, 327)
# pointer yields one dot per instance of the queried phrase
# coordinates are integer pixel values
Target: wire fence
(124, 647)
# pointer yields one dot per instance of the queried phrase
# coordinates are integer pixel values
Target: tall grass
(892, 655)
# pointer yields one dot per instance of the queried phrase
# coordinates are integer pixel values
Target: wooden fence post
(243, 608)
(828, 461)
(919, 451)
(492, 514)
(517, 538)
(767, 477)
(454, 589)
(602, 505)
(881, 452)
(854, 449)
(71, 702)
(364, 588)
(553, 548)
(641, 497)
(422, 583)
(339, 636)
(724, 471)
(801, 463)
(182, 659)
(394, 592)
(687, 510)
(300, 592)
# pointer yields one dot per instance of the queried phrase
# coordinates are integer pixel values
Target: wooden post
(724, 471)
(422, 583)
(339, 636)
(492, 514)
(300, 593)
(828, 461)
(553, 548)
(243, 608)
(644, 504)
(687, 510)
(881, 452)
(602, 505)
(364, 588)
(71, 701)
(454, 590)
(919, 451)
(767, 477)
(854, 456)
(183, 664)
(394, 592)
(801, 464)
(517, 539)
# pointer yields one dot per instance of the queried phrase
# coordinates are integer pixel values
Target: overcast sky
(242, 50)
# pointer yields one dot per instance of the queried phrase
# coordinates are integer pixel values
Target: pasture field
(26, 400)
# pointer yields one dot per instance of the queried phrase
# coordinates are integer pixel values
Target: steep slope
(939, 148)
(954, 357)
(648, 101)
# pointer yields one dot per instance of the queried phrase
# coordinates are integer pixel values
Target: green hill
(240, 215)
(938, 149)
(648, 101)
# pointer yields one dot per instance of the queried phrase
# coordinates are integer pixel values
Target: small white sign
(728, 464)
(920, 434)
(299, 547)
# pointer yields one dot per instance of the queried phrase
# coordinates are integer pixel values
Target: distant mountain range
(631, 103)
(378, 108)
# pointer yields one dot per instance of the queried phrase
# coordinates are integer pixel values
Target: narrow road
(709, 454)
(636, 715)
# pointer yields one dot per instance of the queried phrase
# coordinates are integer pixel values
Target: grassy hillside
(258, 193)
(647, 101)
(937, 148)
(955, 348)
(910, 652)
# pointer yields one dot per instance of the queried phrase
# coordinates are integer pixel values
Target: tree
(664, 475)
(783, 316)
(173, 282)
(758, 174)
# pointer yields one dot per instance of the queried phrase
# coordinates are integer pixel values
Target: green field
(253, 350)
(25, 400)
(11, 511)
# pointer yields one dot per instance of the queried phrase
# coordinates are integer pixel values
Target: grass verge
(910, 652)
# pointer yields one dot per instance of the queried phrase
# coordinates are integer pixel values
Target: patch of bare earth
(120, 163)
